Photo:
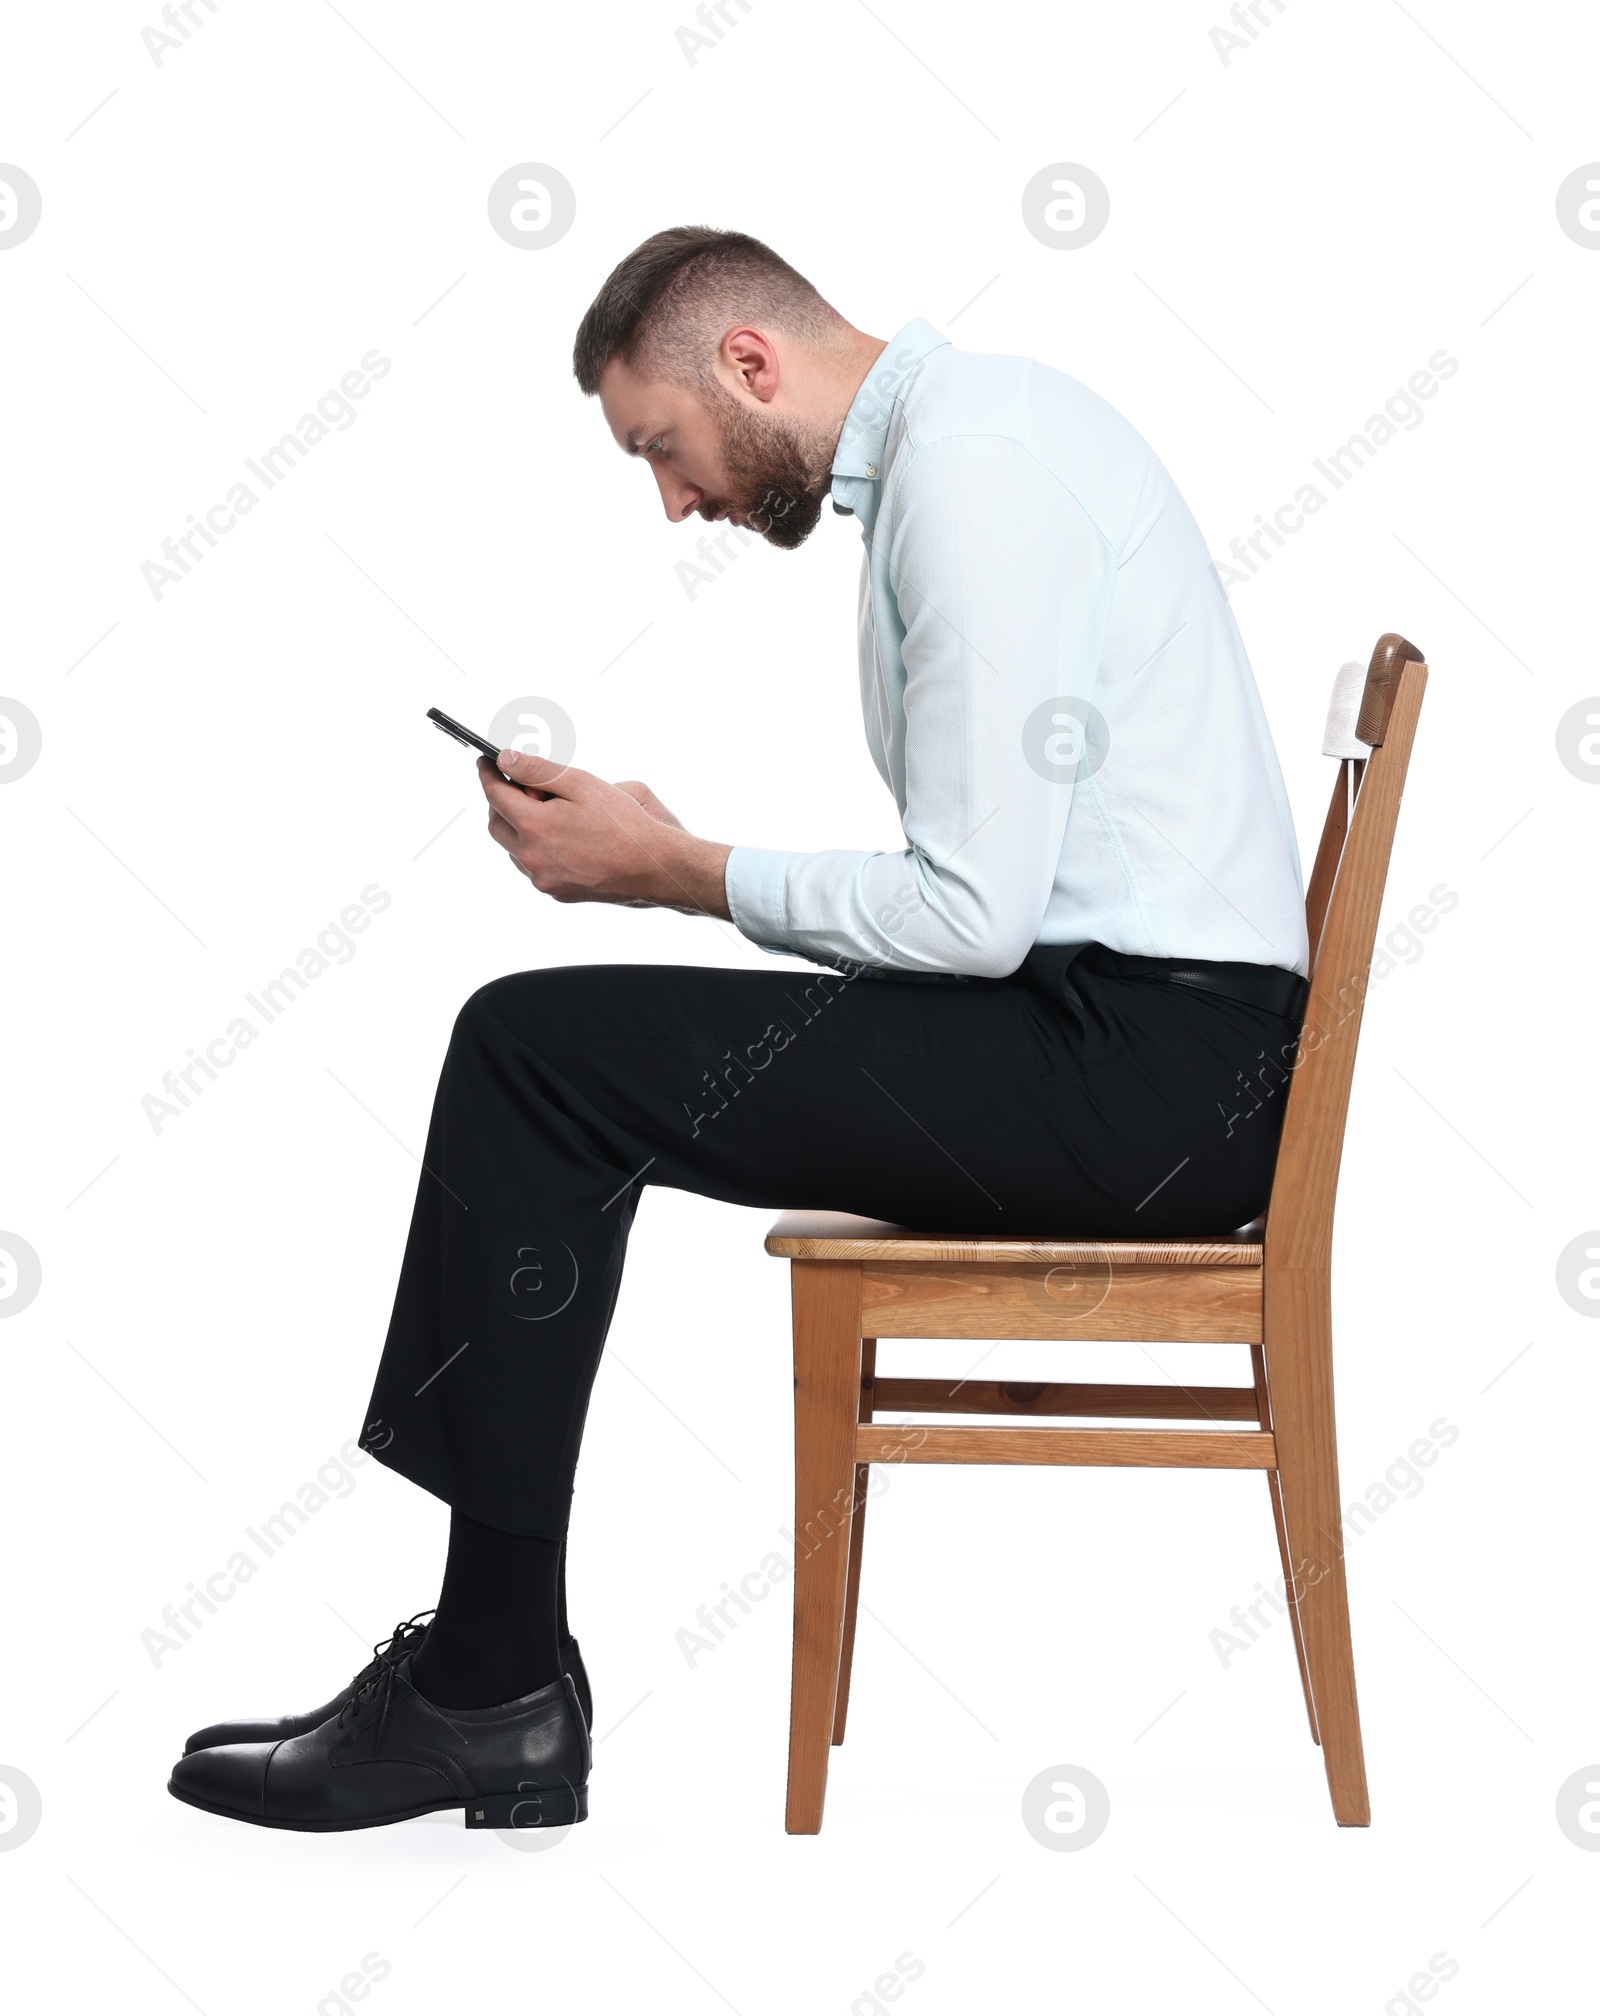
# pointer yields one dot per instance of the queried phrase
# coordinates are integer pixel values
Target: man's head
(725, 369)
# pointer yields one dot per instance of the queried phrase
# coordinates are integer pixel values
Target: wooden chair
(855, 1280)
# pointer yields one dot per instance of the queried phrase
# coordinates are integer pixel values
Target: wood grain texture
(858, 1541)
(991, 1396)
(1258, 1367)
(1134, 1303)
(1115, 1448)
(833, 1235)
(826, 1304)
(1389, 658)
(1326, 865)
(1299, 1229)
(1297, 1336)
(1299, 1357)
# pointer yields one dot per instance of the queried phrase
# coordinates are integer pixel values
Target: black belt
(1271, 987)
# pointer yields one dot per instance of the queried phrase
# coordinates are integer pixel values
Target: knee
(523, 1006)
(491, 1011)
(490, 1002)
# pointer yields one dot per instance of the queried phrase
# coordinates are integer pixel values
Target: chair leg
(826, 1297)
(1258, 1366)
(858, 1540)
(1298, 1346)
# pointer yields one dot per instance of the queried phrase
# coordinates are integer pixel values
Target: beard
(778, 472)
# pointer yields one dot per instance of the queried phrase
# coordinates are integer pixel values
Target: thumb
(537, 772)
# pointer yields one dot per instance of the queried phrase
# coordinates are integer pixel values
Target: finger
(647, 801)
(510, 800)
(559, 779)
(503, 831)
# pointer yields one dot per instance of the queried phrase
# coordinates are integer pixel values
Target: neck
(843, 374)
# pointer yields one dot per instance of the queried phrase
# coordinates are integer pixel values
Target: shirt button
(872, 468)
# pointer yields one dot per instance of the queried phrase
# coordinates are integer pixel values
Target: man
(1043, 1015)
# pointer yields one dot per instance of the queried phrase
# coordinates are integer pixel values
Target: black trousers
(1114, 1106)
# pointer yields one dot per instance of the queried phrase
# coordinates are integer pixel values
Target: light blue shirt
(1054, 689)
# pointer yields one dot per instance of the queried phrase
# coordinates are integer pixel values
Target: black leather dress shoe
(389, 1755)
(407, 1637)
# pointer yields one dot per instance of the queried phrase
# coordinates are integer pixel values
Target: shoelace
(378, 1682)
(378, 1675)
(402, 1640)
(379, 1686)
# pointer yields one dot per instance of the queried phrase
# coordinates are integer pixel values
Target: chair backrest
(1342, 903)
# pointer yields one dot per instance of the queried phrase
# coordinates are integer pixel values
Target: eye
(650, 447)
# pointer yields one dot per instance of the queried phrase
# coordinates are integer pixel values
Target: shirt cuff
(756, 882)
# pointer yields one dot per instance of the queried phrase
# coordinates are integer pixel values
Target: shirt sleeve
(1004, 588)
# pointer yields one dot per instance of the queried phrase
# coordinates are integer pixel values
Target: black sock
(580, 1678)
(493, 1636)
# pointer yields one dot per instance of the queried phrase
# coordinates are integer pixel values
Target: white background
(226, 768)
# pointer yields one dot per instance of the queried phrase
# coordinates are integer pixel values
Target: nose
(678, 499)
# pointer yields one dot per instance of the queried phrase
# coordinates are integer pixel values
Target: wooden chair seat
(855, 1281)
(834, 1235)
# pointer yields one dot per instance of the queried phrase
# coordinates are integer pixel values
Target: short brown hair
(664, 298)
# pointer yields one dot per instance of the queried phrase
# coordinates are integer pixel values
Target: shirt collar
(858, 463)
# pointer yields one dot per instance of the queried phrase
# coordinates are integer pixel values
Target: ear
(750, 357)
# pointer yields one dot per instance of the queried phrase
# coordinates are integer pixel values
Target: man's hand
(643, 795)
(582, 840)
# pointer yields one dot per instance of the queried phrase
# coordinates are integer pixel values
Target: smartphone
(443, 722)
(445, 725)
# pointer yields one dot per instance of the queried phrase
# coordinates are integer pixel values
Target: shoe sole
(522, 1810)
